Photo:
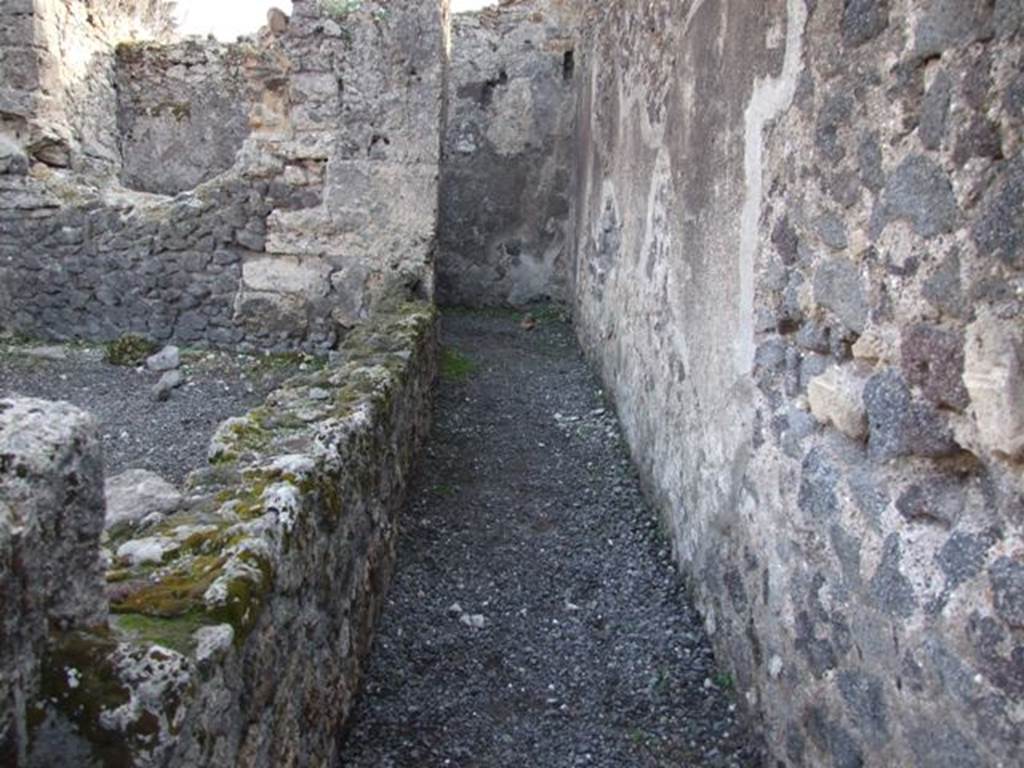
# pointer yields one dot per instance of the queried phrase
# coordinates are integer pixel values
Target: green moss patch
(129, 350)
(79, 679)
(455, 366)
(176, 634)
(174, 594)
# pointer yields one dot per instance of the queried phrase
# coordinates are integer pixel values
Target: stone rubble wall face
(508, 156)
(183, 110)
(243, 643)
(328, 211)
(797, 261)
(51, 518)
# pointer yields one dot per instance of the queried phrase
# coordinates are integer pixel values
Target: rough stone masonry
(792, 233)
(268, 194)
(797, 258)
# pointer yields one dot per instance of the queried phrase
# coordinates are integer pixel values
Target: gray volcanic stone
(13, 160)
(889, 587)
(942, 24)
(939, 499)
(962, 557)
(1007, 577)
(818, 481)
(50, 455)
(168, 383)
(832, 229)
(864, 695)
(918, 191)
(935, 111)
(869, 161)
(136, 494)
(838, 287)
(864, 20)
(901, 426)
(166, 359)
(981, 138)
(933, 360)
(999, 232)
(944, 289)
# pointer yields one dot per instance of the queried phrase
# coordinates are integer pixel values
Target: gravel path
(170, 438)
(527, 518)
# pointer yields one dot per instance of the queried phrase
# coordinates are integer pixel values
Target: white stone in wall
(287, 274)
(837, 397)
(136, 494)
(994, 377)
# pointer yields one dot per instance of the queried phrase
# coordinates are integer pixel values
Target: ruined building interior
(633, 383)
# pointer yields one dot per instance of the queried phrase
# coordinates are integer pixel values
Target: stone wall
(184, 109)
(51, 518)
(508, 150)
(238, 624)
(798, 264)
(328, 212)
(57, 99)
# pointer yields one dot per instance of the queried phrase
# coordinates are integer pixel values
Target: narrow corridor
(535, 618)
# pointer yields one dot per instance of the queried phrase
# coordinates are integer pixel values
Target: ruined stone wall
(57, 98)
(508, 150)
(239, 624)
(51, 502)
(328, 212)
(798, 264)
(184, 109)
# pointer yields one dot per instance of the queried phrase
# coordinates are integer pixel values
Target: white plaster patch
(513, 131)
(287, 274)
(771, 98)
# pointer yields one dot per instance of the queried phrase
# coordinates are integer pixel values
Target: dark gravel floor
(527, 513)
(170, 438)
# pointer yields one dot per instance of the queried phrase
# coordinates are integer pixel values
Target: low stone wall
(51, 502)
(798, 264)
(239, 623)
(508, 156)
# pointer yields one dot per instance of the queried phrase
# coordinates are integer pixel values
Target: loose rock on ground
(169, 437)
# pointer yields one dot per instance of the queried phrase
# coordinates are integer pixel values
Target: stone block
(933, 360)
(136, 494)
(919, 192)
(1007, 578)
(837, 398)
(839, 288)
(994, 379)
(899, 425)
(999, 231)
(939, 499)
(51, 519)
(308, 277)
(51, 483)
(864, 20)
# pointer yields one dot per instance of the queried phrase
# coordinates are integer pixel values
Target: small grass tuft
(340, 8)
(455, 366)
(443, 489)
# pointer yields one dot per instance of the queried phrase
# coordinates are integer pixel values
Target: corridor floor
(535, 618)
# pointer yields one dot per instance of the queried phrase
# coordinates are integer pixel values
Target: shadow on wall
(508, 149)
